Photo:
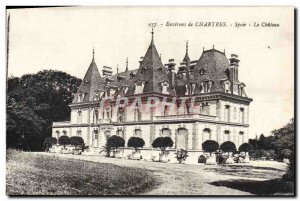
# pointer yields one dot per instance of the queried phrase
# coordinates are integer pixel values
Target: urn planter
(211, 160)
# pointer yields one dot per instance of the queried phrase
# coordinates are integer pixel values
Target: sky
(63, 39)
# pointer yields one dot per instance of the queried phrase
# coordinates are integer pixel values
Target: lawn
(29, 174)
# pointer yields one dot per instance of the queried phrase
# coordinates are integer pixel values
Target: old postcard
(150, 101)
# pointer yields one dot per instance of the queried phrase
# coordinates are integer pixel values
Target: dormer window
(165, 87)
(205, 87)
(139, 88)
(227, 87)
(190, 89)
(131, 75)
(125, 89)
(143, 71)
(80, 97)
(85, 82)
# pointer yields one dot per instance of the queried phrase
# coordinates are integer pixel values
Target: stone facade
(220, 109)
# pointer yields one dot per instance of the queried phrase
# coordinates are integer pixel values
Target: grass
(29, 174)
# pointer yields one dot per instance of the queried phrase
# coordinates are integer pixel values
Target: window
(96, 116)
(80, 97)
(64, 132)
(96, 134)
(226, 136)
(190, 89)
(242, 116)
(206, 134)
(201, 71)
(79, 133)
(120, 132)
(205, 108)
(139, 88)
(121, 114)
(79, 117)
(138, 132)
(165, 87)
(240, 138)
(137, 114)
(227, 87)
(166, 132)
(227, 113)
(166, 110)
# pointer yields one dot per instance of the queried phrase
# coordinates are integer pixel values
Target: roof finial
(224, 51)
(93, 53)
(203, 48)
(126, 64)
(117, 68)
(152, 34)
(213, 46)
(187, 46)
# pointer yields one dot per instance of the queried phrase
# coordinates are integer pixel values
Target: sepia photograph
(150, 101)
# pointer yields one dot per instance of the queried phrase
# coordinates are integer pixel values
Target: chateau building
(203, 100)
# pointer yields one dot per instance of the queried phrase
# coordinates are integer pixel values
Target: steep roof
(151, 71)
(90, 83)
(213, 63)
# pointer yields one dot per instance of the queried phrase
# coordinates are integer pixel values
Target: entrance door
(181, 139)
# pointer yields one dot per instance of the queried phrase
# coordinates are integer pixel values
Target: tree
(64, 140)
(49, 141)
(136, 142)
(115, 142)
(210, 146)
(228, 147)
(76, 141)
(162, 143)
(181, 155)
(34, 102)
(245, 147)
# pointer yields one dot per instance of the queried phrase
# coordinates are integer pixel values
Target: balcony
(187, 116)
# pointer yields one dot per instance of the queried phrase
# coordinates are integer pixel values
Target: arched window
(120, 132)
(165, 87)
(226, 136)
(234, 113)
(206, 134)
(79, 133)
(166, 132)
(205, 108)
(138, 132)
(96, 138)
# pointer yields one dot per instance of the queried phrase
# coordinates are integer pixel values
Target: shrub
(64, 140)
(228, 147)
(246, 147)
(210, 146)
(115, 142)
(162, 143)
(76, 141)
(48, 142)
(136, 142)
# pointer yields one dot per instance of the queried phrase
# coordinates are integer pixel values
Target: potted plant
(163, 143)
(78, 142)
(210, 146)
(115, 142)
(136, 143)
(228, 147)
(245, 147)
(64, 141)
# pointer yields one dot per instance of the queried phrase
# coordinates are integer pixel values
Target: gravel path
(184, 179)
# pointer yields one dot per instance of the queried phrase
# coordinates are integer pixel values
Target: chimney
(171, 70)
(107, 71)
(234, 64)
